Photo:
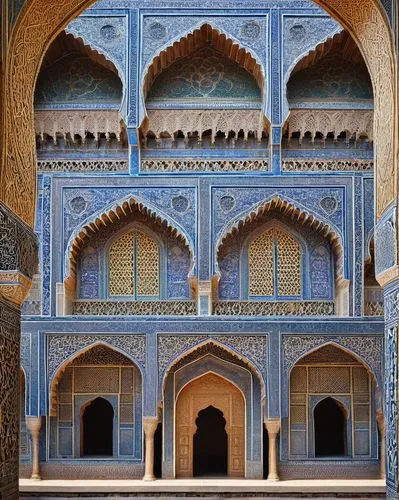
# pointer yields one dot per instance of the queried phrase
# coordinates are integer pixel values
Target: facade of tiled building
(206, 225)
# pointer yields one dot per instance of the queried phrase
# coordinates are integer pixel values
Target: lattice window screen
(147, 261)
(288, 265)
(274, 245)
(134, 266)
(261, 265)
(121, 266)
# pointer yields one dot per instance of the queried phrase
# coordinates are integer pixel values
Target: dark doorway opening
(97, 427)
(210, 444)
(158, 451)
(265, 452)
(330, 428)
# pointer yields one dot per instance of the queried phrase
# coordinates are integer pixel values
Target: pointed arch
(297, 213)
(203, 32)
(207, 346)
(112, 213)
(97, 52)
(54, 381)
(356, 356)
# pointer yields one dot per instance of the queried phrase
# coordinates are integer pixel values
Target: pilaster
(18, 263)
(391, 307)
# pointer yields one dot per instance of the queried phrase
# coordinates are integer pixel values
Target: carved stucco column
(18, 263)
(150, 426)
(34, 425)
(381, 429)
(273, 428)
(391, 310)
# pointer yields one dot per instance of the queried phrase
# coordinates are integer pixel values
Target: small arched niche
(204, 91)
(330, 428)
(331, 402)
(279, 260)
(97, 428)
(77, 99)
(210, 444)
(330, 98)
(121, 255)
(96, 406)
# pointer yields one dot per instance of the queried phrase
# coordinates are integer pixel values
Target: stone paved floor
(212, 488)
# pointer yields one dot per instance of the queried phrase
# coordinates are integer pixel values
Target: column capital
(380, 421)
(19, 256)
(150, 425)
(273, 427)
(34, 424)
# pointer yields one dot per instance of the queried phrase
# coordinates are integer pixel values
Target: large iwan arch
(366, 21)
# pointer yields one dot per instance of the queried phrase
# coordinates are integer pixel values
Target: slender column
(34, 425)
(150, 426)
(381, 428)
(273, 428)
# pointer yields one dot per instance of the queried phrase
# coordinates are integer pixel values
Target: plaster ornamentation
(368, 348)
(98, 222)
(9, 405)
(272, 308)
(354, 122)
(162, 31)
(105, 35)
(172, 347)
(132, 308)
(326, 165)
(204, 165)
(77, 122)
(62, 348)
(296, 212)
(18, 257)
(386, 243)
(302, 34)
(85, 166)
(373, 308)
(189, 121)
(14, 286)
(368, 25)
(391, 399)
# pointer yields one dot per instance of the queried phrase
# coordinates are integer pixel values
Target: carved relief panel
(210, 390)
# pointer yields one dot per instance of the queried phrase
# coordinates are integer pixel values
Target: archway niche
(97, 427)
(330, 428)
(210, 448)
(210, 390)
(331, 403)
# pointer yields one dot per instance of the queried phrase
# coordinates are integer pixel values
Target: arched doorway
(97, 425)
(210, 448)
(330, 428)
(210, 398)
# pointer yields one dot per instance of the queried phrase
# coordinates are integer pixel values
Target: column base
(36, 477)
(149, 477)
(273, 479)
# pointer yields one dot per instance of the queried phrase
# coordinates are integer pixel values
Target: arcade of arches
(265, 214)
